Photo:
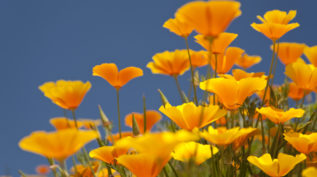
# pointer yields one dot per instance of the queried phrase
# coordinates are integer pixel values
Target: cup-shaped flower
(61, 123)
(280, 116)
(151, 116)
(309, 172)
(197, 152)
(223, 136)
(226, 61)
(209, 18)
(66, 94)
(113, 76)
(219, 44)
(198, 58)
(311, 54)
(304, 75)
(115, 137)
(189, 116)
(295, 92)
(275, 23)
(169, 63)
(179, 27)
(108, 154)
(58, 145)
(239, 74)
(304, 143)
(232, 93)
(276, 167)
(246, 61)
(289, 52)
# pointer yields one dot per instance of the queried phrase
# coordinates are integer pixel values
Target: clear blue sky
(42, 40)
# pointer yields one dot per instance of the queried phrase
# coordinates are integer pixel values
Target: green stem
(179, 89)
(275, 63)
(74, 117)
(173, 169)
(191, 71)
(51, 162)
(118, 107)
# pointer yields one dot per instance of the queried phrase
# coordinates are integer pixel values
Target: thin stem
(173, 169)
(118, 107)
(275, 63)
(179, 89)
(51, 162)
(191, 71)
(144, 114)
(216, 63)
(74, 117)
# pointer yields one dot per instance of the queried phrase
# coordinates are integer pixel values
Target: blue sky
(43, 40)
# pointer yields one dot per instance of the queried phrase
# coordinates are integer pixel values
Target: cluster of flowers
(221, 134)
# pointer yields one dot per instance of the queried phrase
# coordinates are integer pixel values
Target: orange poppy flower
(276, 167)
(223, 136)
(239, 74)
(42, 169)
(232, 93)
(304, 75)
(280, 116)
(189, 116)
(295, 92)
(108, 153)
(117, 79)
(61, 123)
(191, 150)
(152, 117)
(198, 58)
(227, 60)
(310, 172)
(116, 137)
(301, 142)
(209, 18)
(219, 44)
(178, 27)
(58, 145)
(290, 52)
(275, 23)
(169, 63)
(66, 94)
(247, 61)
(86, 170)
(311, 54)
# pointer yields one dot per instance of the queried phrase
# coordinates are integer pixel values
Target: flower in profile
(223, 136)
(189, 116)
(295, 92)
(276, 167)
(58, 145)
(239, 74)
(219, 44)
(304, 75)
(311, 54)
(246, 61)
(304, 143)
(232, 93)
(310, 172)
(227, 60)
(179, 27)
(198, 58)
(113, 76)
(275, 23)
(61, 123)
(289, 52)
(115, 137)
(169, 63)
(209, 18)
(108, 153)
(280, 116)
(197, 152)
(66, 94)
(152, 117)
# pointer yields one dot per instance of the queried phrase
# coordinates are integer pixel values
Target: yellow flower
(169, 63)
(85, 170)
(304, 75)
(276, 167)
(61, 123)
(151, 118)
(232, 93)
(117, 79)
(301, 142)
(275, 23)
(239, 74)
(295, 92)
(108, 153)
(227, 60)
(247, 61)
(178, 27)
(193, 151)
(290, 52)
(311, 54)
(310, 172)
(223, 136)
(209, 18)
(58, 145)
(189, 116)
(219, 44)
(280, 116)
(66, 94)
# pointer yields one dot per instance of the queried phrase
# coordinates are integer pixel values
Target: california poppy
(219, 44)
(108, 153)
(246, 61)
(279, 116)
(179, 27)
(310, 172)
(290, 52)
(295, 92)
(152, 117)
(66, 94)
(304, 143)
(311, 54)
